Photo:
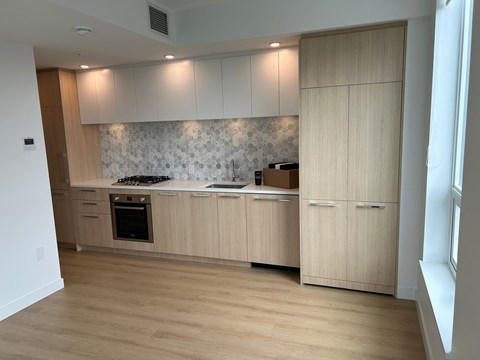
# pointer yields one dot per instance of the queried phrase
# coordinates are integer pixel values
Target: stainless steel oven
(132, 217)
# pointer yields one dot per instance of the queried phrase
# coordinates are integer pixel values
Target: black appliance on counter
(132, 217)
(141, 180)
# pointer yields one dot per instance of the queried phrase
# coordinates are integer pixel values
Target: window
(461, 120)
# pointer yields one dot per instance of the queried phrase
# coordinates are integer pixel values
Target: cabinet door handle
(90, 216)
(201, 195)
(271, 199)
(89, 203)
(88, 190)
(167, 194)
(324, 204)
(230, 196)
(371, 206)
(63, 157)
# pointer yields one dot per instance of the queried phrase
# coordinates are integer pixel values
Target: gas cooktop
(141, 180)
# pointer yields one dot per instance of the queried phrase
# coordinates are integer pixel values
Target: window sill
(440, 285)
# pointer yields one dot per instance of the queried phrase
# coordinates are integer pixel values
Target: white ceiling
(200, 27)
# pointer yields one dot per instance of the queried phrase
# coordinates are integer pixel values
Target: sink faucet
(234, 176)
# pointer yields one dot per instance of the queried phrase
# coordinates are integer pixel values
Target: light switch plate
(28, 144)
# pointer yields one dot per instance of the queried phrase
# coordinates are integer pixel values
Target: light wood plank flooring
(120, 307)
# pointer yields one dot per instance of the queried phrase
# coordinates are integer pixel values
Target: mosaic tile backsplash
(200, 150)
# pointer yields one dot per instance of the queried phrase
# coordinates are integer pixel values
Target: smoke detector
(83, 31)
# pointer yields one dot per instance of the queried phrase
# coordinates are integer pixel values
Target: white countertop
(188, 185)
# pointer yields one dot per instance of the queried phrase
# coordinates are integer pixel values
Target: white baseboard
(406, 293)
(29, 299)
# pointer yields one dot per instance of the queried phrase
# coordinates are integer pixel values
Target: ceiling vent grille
(158, 20)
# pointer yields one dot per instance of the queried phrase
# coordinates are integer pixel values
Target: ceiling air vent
(158, 20)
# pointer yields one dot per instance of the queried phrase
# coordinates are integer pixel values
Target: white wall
(26, 215)
(466, 326)
(418, 79)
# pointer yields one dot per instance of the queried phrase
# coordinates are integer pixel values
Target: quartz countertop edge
(187, 185)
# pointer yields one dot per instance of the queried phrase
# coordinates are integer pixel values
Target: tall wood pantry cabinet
(73, 150)
(350, 132)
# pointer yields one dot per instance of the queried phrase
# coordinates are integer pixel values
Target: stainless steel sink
(225, 185)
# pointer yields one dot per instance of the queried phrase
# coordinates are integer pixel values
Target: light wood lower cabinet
(324, 239)
(185, 223)
(94, 229)
(232, 226)
(372, 243)
(273, 229)
(62, 210)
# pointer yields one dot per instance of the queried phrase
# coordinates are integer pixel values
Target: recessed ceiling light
(169, 57)
(83, 31)
(275, 44)
(84, 67)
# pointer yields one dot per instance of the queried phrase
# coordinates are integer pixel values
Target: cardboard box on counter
(287, 179)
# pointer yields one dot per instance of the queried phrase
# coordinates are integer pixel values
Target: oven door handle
(142, 208)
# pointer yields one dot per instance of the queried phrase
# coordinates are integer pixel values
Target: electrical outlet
(40, 254)
(191, 169)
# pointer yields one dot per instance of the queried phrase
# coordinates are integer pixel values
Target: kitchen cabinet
(324, 143)
(175, 83)
(352, 57)
(203, 225)
(273, 230)
(170, 222)
(73, 150)
(208, 87)
(237, 87)
(288, 81)
(374, 142)
(371, 249)
(232, 226)
(265, 84)
(125, 95)
(146, 93)
(62, 211)
(350, 136)
(324, 239)
(87, 97)
(93, 229)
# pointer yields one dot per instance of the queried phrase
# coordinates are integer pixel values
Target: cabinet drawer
(93, 229)
(90, 194)
(91, 206)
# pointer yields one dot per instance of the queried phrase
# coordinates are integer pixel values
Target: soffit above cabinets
(121, 33)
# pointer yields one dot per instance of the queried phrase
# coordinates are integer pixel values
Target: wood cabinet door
(288, 81)
(273, 230)
(203, 225)
(146, 93)
(232, 226)
(106, 102)
(93, 229)
(87, 97)
(170, 219)
(324, 239)
(324, 143)
(208, 87)
(62, 211)
(372, 243)
(361, 57)
(374, 142)
(175, 84)
(125, 95)
(265, 94)
(237, 87)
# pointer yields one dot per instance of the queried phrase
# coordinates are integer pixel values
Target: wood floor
(120, 307)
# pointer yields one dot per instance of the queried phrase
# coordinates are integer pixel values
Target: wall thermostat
(28, 144)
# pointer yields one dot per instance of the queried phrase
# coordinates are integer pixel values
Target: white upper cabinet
(106, 104)
(288, 81)
(265, 94)
(237, 87)
(146, 93)
(208, 88)
(125, 95)
(87, 97)
(175, 84)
